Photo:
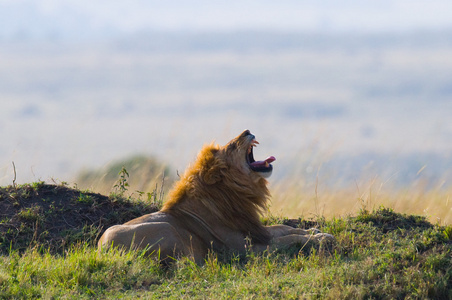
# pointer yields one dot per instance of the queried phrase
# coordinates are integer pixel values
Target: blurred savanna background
(353, 98)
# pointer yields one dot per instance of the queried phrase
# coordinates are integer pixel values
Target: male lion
(215, 205)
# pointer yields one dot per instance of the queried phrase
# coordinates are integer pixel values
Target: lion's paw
(324, 237)
(314, 231)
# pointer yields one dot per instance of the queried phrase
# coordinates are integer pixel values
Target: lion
(216, 205)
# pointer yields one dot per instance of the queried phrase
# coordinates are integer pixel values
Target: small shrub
(85, 199)
(122, 185)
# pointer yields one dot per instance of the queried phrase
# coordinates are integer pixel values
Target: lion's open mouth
(261, 166)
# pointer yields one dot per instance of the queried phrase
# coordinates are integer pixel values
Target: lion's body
(215, 206)
(161, 233)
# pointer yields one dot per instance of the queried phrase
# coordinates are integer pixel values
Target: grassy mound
(48, 234)
(54, 217)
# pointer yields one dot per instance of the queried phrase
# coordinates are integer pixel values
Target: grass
(292, 199)
(293, 196)
(378, 254)
(147, 173)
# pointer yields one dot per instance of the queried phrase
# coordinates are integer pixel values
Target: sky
(71, 19)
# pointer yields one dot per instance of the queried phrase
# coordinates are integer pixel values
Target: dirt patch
(52, 217)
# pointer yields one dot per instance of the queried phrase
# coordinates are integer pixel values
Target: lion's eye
(232, 147)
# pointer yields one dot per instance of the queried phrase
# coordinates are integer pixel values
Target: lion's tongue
(263, 163)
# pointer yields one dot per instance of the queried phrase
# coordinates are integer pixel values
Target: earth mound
(52, 217)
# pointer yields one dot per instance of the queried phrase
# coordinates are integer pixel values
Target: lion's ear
(212, 176)
(213, 173)
(212, 167)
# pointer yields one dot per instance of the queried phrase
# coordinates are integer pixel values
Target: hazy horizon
(348, 89)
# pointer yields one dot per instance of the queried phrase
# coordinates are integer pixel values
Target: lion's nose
(246, 132)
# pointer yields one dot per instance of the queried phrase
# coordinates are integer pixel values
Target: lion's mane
(216, 183)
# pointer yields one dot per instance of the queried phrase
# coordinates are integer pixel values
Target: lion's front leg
(284, 236)
(283, 230)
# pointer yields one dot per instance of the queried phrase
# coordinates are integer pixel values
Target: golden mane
(216, 184)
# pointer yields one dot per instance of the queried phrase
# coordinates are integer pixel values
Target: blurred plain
(351, 97)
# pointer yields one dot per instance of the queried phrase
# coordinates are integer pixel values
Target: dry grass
(294, 199)
(147, 175)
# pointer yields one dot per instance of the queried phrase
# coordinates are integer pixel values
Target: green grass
(48, 250)
(377, 255)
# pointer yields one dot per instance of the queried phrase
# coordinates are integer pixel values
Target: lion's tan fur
(216, 205)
